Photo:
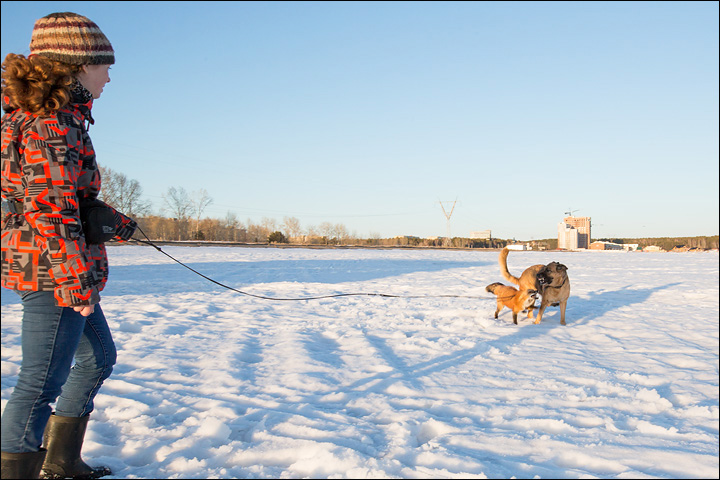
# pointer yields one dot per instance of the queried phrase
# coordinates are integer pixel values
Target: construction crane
(570, 213)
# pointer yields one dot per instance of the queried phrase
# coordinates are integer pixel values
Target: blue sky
(369, 114)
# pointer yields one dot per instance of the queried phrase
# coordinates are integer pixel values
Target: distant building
(519, 246)
(582, 225)
(600, 245)
(606, 246)
(483, 235)
(567, 237)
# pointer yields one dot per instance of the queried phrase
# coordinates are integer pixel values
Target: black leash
(385, 295)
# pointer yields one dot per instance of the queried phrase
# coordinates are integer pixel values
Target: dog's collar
(559, 286)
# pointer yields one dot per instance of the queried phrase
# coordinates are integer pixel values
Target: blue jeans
(51, 337)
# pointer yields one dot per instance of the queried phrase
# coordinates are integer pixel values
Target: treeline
(668, 243)
(289, 231)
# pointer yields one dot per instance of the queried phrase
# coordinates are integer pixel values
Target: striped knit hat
(71, 38)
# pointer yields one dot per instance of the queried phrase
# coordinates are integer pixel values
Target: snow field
(213, 384)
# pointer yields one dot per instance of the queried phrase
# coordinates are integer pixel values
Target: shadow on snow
(174, 278)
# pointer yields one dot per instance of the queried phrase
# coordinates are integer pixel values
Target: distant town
(575, 233)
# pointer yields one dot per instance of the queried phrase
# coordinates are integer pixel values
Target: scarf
(78, 93)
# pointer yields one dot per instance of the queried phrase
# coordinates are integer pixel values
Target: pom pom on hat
(71, 38)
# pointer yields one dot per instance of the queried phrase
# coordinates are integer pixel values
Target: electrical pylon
(447, 216)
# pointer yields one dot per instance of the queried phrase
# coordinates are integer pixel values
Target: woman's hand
(85, 310)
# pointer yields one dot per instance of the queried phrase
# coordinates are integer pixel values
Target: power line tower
(447, 216)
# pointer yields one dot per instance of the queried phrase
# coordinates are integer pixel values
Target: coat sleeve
(124, 226)
(50, 175)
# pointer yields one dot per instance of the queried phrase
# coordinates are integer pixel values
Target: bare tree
(292, 227)
(233, 225)
(122, 193)
(326, 229)
(312, 233)
(255, 232)
(374, 238)
(340, 233)
(269, 225)
(178, 202)
(199, 202)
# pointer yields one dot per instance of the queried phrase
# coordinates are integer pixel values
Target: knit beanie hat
(71, 38)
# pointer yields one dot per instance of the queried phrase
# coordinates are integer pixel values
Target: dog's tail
(491, 288)
(502, 260)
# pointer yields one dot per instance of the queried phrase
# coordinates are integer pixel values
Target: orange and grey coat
(48, 164)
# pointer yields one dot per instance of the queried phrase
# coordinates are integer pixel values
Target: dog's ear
(561, 267)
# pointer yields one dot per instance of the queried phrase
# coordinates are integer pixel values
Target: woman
(48, 257)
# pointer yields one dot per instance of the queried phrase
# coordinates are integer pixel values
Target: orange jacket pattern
(48, 164)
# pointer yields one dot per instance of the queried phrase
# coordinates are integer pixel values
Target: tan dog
(550, 280)
(511, 297)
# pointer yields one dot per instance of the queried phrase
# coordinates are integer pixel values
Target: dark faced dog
(555, 288)
(550, 280)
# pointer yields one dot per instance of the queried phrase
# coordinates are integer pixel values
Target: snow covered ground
(214, 384)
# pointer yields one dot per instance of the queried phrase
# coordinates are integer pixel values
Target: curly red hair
(36, 84)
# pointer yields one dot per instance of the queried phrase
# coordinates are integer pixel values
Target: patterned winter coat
(48, 163)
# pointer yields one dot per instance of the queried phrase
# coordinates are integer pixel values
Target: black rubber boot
(22, 465)
(63, 440)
